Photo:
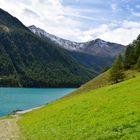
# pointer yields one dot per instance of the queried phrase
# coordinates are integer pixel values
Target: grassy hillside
(101, 81)
(107, 113)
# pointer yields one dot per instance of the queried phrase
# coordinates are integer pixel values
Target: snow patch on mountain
(94, 47)
(69, 45)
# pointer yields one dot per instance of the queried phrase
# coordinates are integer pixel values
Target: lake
(12, 99)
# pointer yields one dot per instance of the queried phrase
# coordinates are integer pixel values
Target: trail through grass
(9, 130)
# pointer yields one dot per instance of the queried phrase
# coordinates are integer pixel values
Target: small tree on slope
(116, 72)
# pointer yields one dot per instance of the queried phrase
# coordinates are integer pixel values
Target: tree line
(131, 60)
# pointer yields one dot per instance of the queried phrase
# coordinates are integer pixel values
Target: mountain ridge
(94, 55)
(94, 47)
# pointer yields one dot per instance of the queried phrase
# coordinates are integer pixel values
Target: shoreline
(38, 107)
(28, 110)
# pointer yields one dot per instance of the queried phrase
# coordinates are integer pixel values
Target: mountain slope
(7, 21)
(95, 55)
(29, 61)
(96, 47)
(108, 113)
(102, 80)
(132, 55)
(92, 62)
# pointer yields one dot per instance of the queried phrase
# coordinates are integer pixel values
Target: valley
(53, 88)
(27, 60)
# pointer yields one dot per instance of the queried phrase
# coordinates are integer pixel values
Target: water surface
(12, 99)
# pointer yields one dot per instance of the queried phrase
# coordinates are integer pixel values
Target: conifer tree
(130, 58)
(137, 48)
(138, 64)
(116, 72)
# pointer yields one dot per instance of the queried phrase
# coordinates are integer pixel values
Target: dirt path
(9, 129)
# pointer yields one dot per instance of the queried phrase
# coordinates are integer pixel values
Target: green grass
(101, 81)
(109, 113)
(6, 117)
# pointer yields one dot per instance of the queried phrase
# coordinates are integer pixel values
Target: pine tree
(138, 64)
(130, 57)
(137, 48)
(116, 72)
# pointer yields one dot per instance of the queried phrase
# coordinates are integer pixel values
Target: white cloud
(131, 24)
(121, 35)
(50, 15)
(93, 33)
(65, 21)
(124, 33)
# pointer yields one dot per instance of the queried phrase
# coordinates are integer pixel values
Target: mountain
(29, 61)
(95, 54)
(96, 47)
(8, 22)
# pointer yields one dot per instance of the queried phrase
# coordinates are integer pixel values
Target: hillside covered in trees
(29, 61)
(131, 60)
(26, 60)
(132, 55)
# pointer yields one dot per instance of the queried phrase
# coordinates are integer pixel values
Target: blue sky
(80, 20)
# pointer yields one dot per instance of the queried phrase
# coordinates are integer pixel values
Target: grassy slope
(101, 81)
(107, 113)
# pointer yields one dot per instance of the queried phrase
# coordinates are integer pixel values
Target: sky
(80, 20)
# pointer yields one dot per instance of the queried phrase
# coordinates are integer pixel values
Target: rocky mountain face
(94, 55)
(96, 47)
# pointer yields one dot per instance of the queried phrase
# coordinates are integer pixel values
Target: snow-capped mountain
(69, 45)
(95, 47)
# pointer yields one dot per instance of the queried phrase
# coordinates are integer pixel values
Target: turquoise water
(12, 99)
